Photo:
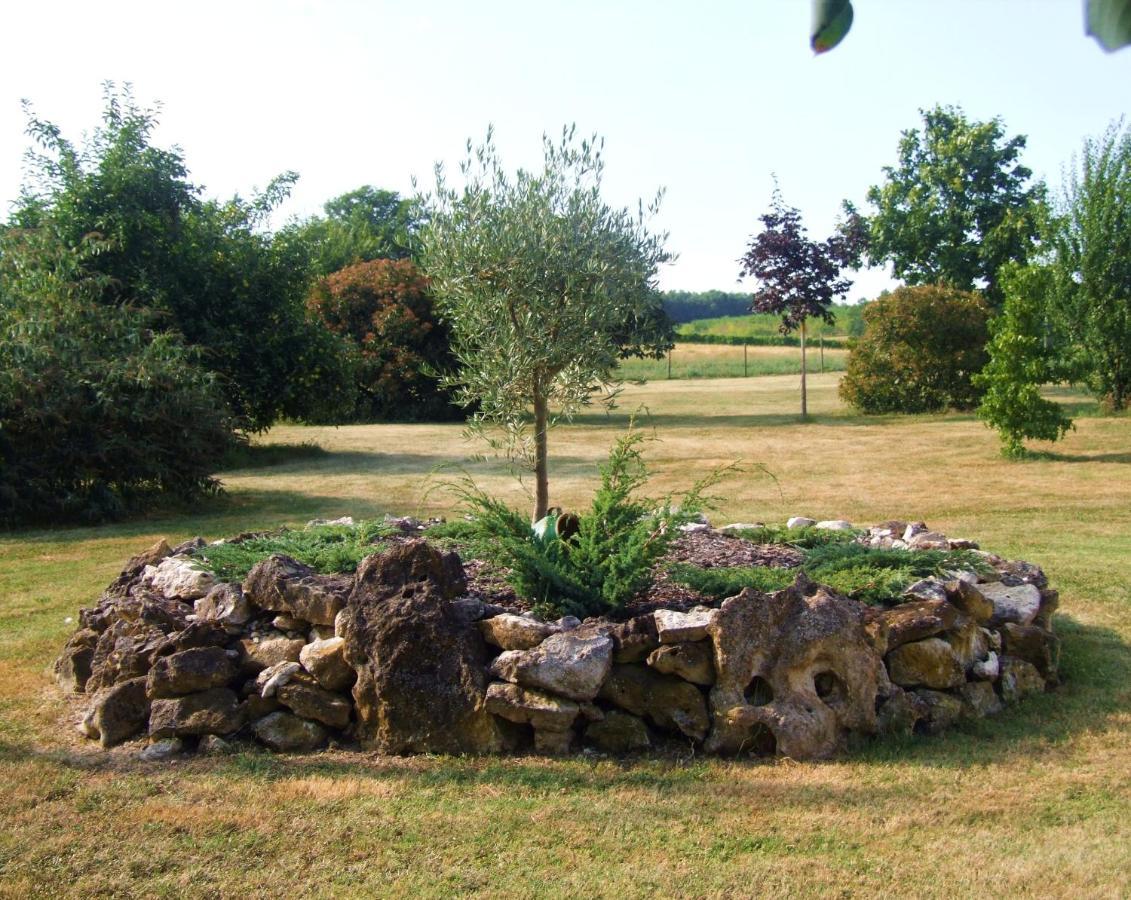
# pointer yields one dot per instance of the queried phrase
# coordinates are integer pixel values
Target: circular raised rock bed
(417, 652)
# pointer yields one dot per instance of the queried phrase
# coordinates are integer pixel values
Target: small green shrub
(610, 558)
(329, 549)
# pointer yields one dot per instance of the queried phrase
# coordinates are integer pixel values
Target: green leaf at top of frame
(1109, 22)
(830, 23)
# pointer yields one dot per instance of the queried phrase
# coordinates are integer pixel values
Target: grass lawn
(1034, 803)
(727, 361)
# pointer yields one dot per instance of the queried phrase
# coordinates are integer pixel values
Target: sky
(706, 100)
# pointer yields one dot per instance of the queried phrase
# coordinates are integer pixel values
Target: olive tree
(535, 276)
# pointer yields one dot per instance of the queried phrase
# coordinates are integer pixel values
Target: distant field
(1034, 803)
(729, 361)
(765, 328)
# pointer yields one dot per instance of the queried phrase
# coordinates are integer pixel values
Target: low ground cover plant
(328, 549)
(867, 574)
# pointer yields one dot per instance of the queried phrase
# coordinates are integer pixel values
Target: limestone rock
(834, 525)
(180, 578)
(285, 585)
(190, 671)
(569, 664)
(305, 698)
(691, 662)
(1018, 603)
(193, 635)
(635, 639)
(1019, 679)
(162, 750)
(326, 661)
(968, 598)
(917, 620)
(552, 743)
(931, 663)
(798, 666)
(979, 699)
(930, 589)
(929, 540)
(943, 710)
(224, 603)
(288, 623)
(287, 733)
(421, 670)
(678, 628)
(618, 732)
(669, 702)
(214, 711)
(1050, 601)
(800, 522)
(988, 669)
(511, 632)
(118, 712)
(269, 649)
(541, 710)
(900, 713)
(968, 641)
(274, 677)
(72, 668)
(125, 650)
(213, 745)
(1034, 645)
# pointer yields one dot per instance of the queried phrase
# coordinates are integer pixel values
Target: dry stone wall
(399, 658)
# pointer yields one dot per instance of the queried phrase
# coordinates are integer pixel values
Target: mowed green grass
(1034, 803)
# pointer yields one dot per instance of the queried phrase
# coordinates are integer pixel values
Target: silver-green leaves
(1109, 22)
(831, 21)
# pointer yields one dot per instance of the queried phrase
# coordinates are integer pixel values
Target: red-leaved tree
(384, 309)
(798, 278)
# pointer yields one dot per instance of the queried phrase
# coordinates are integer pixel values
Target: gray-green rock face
(305, 698)
(1034, 645)
(285, 732)
(1019, 603)
(526, 706)
(930, 663)
(118, 712)
(190, 671)
(691, 662)
(215, 711)
(669, 702)
(285, 585)
(1019, 679)
(618, 732)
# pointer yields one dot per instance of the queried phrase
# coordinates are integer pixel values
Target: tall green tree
(208, 269)
(957, 206)
(798, 278)
(1091, 239)
(1020, 363)
(536, 276)
(359, 226)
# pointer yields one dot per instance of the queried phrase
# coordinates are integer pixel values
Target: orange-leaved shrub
(384, 310)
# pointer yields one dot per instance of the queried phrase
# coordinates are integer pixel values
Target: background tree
(798, 278)
(957, 206)
(362, 225)
(384, 308)
(1091, 293)
(100, 412)
(536, 277)
(919, 352)
(208, 270)
(1020, 362)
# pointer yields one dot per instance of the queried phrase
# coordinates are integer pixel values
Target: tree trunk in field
(541, 474)
(804, 399)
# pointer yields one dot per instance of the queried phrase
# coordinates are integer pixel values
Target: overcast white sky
(704, 99)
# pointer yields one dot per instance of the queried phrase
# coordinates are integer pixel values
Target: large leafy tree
(1091, 239)
(798, 278)
(536, 277)
(359, 226)
(957, 206)
(207, 269)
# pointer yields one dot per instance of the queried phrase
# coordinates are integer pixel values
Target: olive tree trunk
(541, 475)
(804, 398)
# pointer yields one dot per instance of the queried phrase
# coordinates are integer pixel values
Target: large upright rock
(798, 663)
(421, 668)
(285, 585)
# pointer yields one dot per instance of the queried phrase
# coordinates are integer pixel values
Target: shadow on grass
(1095, 666)
(258, 456)
(1052, 456)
